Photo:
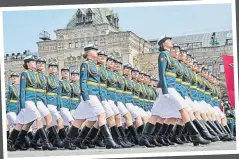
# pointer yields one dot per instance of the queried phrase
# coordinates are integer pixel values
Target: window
(83, 44)
(96, 43)
(79, 18)
(210, 68)
(70, 45)
(76, 44)
(221, 66)
(229, 42)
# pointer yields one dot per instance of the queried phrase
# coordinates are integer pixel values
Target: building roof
(205, 38)
(100, 16)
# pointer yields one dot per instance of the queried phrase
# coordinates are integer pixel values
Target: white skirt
(85, 110)
(42, 109)
(66, 116)
(123, 110)
(133, 110)
(114, 107)
(108, 109)
(11, 117)
(28, 114)
(54, 113)
(168, 107)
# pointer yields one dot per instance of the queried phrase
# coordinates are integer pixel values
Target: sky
(21, 28)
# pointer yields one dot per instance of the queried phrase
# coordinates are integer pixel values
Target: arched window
(89, 15)
(79, 17)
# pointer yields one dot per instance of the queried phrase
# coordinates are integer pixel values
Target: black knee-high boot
(211, 131)
(216, 129)
(56, 141)
(88, 141)
(117, 137)
(203, 131)
(20, 142)
(46, 145)
(68, 141)
(184, 134)
(161, 135)
(34, 143)
(78, 141)
(124, 136)
(229, 132)
(7, 134)
(177, 132)
(140, 129)
(134, 133)
(144, 139)
(195, 135)
(109, 142)
(12, 139)
(98, 141)
(167, 134)
(153, 136)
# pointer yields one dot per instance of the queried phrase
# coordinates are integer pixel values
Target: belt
(92, 83)
(51, 94)
(208, 93)
(178, 80)
(185, 83)
(119, 91)
(136, 97)
(102, 85)
(41, 90)
(193, 86)
(75, 99)
(127, 92)
(65, 97)
(13, 101)
(171, 74)
(30, 89)
(111, 89)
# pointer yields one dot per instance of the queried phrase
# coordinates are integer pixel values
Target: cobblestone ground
(101, 151)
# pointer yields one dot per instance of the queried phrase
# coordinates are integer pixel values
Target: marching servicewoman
(41, 101)
(29, 112)
(12, 101)
(120, 85)
(111, 99)
(167, 76)
(90, 107)
(75, 93)
(53, 102)
(65, 92)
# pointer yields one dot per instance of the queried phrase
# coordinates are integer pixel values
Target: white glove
(88, 102)
(166, 95)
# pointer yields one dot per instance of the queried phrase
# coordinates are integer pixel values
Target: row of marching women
(114, 105)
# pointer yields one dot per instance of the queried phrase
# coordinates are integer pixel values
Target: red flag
(229, 75)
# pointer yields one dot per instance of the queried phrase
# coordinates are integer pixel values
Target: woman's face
(52, 69)
(175, 52)
(75, 77)
(117, 66)
(65, 73)
(182, 56)
(41, 66)
(31, 65)
(126, 71)
(92, 54)
(135, 74)
(168, 44)
(110, 64)
(101, 59)
(14, 79)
